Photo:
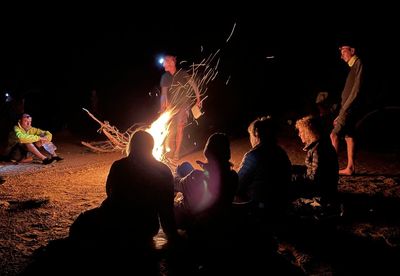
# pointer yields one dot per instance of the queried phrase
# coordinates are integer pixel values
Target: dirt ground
(39, 203)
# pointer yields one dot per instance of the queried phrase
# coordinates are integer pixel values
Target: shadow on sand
(250, 254)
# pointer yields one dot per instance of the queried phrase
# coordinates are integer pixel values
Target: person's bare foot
(347, 171)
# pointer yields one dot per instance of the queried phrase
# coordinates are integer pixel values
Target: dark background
(53, 57)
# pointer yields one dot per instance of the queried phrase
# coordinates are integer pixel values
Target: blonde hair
(309, 125)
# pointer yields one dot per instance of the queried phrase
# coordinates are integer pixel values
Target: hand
(335, 121)
(39, 144)
(201, 163)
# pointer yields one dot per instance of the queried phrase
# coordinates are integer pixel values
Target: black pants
(18, 153)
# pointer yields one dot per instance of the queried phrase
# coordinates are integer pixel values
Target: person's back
(119, 234)
(140, 188)
(208, 193)
(265, 171)
(140, 195)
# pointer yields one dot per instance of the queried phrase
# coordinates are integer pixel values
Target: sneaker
(57, 158)
(47, 161)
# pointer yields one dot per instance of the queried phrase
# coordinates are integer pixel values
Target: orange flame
(159, 129)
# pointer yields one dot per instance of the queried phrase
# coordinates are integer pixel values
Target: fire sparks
(201, 73)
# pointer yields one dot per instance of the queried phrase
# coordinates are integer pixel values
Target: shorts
(181, 117)
(345, 126)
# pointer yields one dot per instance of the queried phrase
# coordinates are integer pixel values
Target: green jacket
(32, 135)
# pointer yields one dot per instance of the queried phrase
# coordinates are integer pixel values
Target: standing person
(26, 138)
(177, 89)
(344, 124)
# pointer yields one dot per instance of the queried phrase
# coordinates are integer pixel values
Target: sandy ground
(38, 204)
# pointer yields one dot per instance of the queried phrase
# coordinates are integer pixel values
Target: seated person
(206, 209)
(317, 180)
(139, 199)
(207, 193)
(265, 172)
(26, 138)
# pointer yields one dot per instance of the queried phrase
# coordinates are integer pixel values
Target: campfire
(159, 129)
(201, 73)
(117, 141)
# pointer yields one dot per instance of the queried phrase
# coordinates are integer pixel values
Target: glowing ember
(159, 129)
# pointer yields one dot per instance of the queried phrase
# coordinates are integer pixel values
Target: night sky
(55, 58)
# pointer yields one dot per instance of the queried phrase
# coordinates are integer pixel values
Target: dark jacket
(321, 176)
(264, 177)
(141, 192)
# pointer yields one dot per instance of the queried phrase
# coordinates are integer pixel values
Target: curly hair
(310, 127)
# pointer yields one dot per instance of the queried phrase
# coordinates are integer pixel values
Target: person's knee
(31, 147)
